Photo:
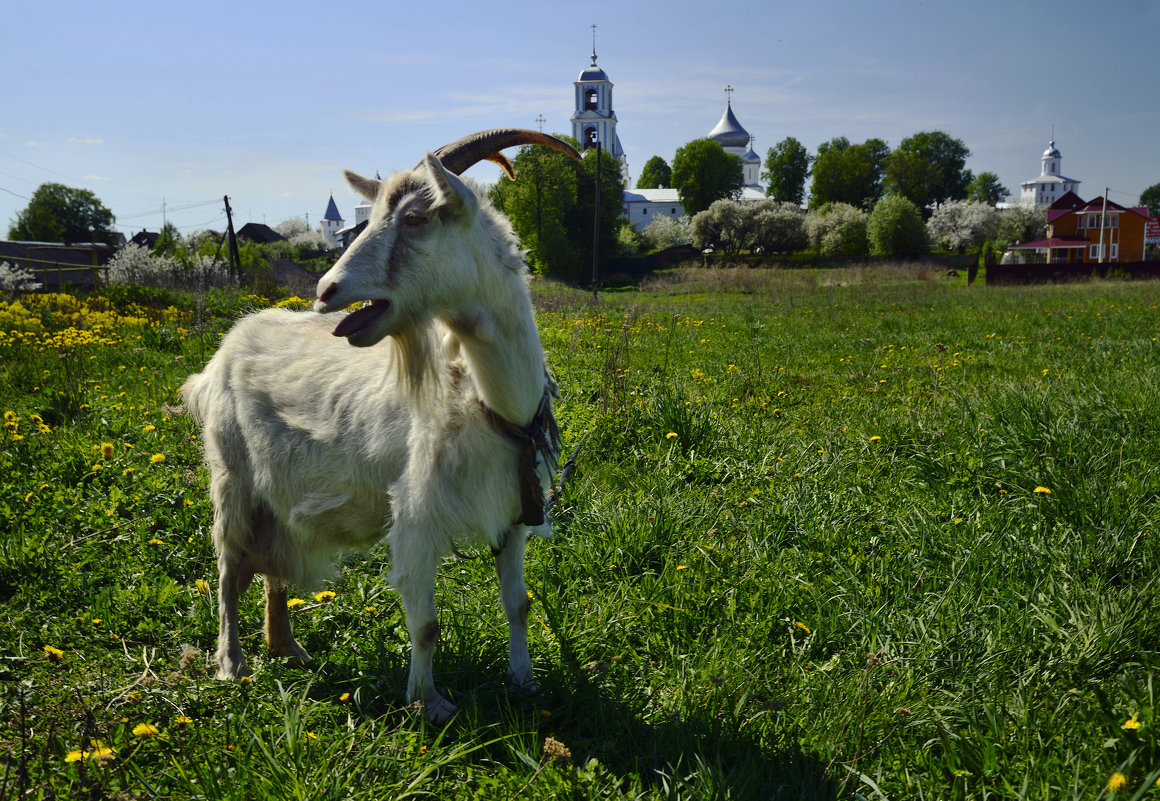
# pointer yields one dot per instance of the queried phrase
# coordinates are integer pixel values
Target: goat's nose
(328, 293)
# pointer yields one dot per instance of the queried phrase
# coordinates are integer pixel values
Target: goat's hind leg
(509, 565)
(279, 636)
(231, 662)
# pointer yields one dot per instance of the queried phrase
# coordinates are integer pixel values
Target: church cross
(729, 95)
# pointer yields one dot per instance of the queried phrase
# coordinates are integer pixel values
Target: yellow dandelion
(182, 720)
(53, 653)
(875, 438)
(1116, 782)
(293, 602)
(1041, 491)
(101, 753)
(128, 471)
(246, 680)
(75, 756)
(156, 541)
(324, 596)
(802, 626)
(10, 417)
(1131, 723)
(146, 730)
(106, 450)
(344, 697)
(149, 428)
(682, 567)
(671, 435)
(157, 458)
(202, 586)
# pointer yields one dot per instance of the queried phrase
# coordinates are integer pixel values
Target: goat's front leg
(416, 587)
(231, 663)
(279, 637)
(509, 565)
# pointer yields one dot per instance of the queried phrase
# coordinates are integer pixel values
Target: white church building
(642, 205)
(1050, 186)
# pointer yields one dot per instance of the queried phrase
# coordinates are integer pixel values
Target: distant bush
(838, 229)
(134, 264)
(14, 280)
(666, 232)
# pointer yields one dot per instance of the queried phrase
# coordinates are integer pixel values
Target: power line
(167, 209)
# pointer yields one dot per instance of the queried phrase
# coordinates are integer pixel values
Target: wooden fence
(1020, 274)
(57, 266)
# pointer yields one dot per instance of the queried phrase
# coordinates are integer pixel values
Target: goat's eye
(414, 219)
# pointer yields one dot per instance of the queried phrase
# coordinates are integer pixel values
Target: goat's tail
(194, 392)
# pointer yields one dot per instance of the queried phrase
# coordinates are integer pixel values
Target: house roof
(260, 233)
(1068, 201)
(1071, 203)
(1053, 242)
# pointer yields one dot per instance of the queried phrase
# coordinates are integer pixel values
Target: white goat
(437, 428)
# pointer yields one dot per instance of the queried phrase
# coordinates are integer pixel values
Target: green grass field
(832, 535)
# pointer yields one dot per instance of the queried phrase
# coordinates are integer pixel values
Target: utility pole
(1103, 224)
(235, 258)
(596, 223)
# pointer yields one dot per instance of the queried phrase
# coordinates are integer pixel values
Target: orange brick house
(1075, 233)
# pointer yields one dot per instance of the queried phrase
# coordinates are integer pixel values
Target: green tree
(59, 213)
(846, 173)
(1150, 197)
(704, 172)
(168, 241)
(551, 209)
(896, 229)
(986, 188)
(787, 165)
(929, 168)
(656, 174)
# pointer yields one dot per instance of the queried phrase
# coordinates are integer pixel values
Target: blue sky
(180, 103)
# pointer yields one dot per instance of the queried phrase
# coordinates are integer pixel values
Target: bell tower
(593, 119)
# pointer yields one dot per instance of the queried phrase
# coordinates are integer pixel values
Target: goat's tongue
(361, 318)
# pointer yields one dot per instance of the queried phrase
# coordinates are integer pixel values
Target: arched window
(590, 100)
(589, 137)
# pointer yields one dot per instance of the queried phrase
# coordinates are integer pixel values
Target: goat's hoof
(295, 655)
(439, 710)
(231, 670)
(522, 682)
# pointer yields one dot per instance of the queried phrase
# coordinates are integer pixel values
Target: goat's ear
(367, 187)
(452, 197)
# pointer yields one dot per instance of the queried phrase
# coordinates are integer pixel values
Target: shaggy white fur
(317, 443)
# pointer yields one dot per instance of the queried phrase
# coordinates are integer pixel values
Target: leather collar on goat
(539, 437)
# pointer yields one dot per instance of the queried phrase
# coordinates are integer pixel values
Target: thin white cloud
(84, 141)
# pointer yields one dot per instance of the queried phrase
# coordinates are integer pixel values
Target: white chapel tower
(1050, 186)
(593, 119)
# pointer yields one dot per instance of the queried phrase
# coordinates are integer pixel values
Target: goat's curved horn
(457, 156)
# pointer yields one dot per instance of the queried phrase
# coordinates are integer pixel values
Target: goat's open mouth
(362, 326)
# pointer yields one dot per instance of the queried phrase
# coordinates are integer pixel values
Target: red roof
(1054, 242)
